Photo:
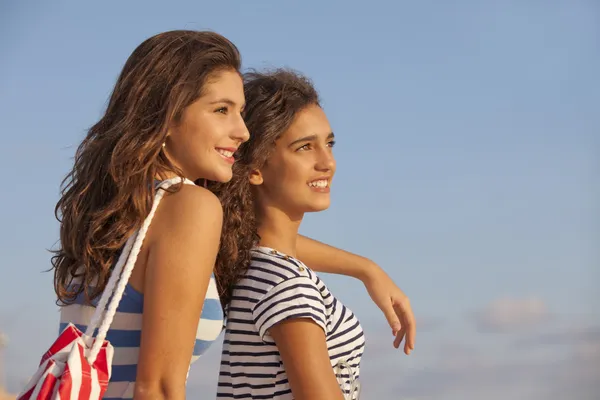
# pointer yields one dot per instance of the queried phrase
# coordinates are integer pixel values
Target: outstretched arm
(324, 258)
(383, 291)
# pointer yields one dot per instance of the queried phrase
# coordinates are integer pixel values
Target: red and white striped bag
(78, 365)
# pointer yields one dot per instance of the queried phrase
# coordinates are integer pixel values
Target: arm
(301, 344)
(181, 256)
(324, 258)
(294, 316)
(383, 291)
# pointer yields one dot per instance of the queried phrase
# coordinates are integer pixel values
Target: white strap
(120, 275)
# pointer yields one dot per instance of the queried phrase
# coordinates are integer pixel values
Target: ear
(255, 177)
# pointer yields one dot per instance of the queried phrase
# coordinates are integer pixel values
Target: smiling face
(296, 177)
(210, 130)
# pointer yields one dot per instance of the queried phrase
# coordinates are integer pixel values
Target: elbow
(159, 390)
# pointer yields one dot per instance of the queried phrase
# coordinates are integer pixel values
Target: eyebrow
(309, 139)
(226, 101)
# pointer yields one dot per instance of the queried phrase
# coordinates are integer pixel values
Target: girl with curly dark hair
(287, 336)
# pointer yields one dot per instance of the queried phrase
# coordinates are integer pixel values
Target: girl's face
(297, 175)
(210, 131)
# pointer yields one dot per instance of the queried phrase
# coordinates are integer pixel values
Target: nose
(325, 160)
(240, 131)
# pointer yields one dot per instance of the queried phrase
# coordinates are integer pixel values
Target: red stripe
(66, 384)
(47, 388)
(40, 373)
(101, 365)
(64, 339)
(26, 395)
(86, 375)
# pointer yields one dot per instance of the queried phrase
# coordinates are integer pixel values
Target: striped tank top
(125, 333)
(278, 287)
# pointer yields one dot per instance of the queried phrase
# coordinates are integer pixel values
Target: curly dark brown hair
(109, 191)
(273, 99)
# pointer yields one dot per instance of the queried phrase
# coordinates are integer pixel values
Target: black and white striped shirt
(276, 288)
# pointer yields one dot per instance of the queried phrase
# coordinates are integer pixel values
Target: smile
(227, 154)
(321, 183)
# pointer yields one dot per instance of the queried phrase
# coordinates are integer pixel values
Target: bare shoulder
(190, 215)
(193, 199)
(189, 206)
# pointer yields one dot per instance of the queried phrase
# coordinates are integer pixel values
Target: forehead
(312, 120)
(224, 84)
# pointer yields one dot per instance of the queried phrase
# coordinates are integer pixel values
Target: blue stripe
(123, 373)
(212, 310)
(201, 346)
(133, 303)
(118, 338)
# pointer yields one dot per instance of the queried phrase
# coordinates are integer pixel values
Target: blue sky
(467, 168)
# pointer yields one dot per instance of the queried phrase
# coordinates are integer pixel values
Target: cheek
(282, 178)
(206, 131)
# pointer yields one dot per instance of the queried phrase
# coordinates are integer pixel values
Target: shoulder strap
(102, 318)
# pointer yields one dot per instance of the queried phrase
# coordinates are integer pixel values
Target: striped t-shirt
(277, 288)
(125, 333)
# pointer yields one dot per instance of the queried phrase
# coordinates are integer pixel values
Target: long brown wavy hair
(273, 99)
(109, 191)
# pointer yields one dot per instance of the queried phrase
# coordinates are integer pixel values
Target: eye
(222, 110)
(304, 148)
(331, 143)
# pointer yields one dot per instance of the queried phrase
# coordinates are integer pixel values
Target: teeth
(320, 183)
(225, 153)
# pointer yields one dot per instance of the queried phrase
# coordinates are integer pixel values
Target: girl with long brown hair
(174, 118)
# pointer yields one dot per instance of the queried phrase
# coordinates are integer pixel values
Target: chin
(317, 207)
(221, 175)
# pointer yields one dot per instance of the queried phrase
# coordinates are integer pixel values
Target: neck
(278, 230)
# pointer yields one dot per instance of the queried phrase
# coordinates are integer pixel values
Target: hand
(395, 306)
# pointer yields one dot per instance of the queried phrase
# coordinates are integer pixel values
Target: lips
(227, 153)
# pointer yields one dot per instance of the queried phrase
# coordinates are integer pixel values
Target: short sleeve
(297, 297)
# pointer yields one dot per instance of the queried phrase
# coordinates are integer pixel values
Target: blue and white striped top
(275, 288)
(125, 333)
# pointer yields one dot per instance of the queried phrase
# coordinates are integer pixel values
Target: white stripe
(74, 362)
(120, 389)
(126, 356)
(209, 329)
(212, 292)
(35, 379)
(95, 392)
(110, 354)
(81, 314)
(52, 370)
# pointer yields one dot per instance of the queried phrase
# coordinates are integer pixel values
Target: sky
(467, 169)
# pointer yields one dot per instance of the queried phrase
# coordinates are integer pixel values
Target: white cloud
(512, 315)
(566, 369)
